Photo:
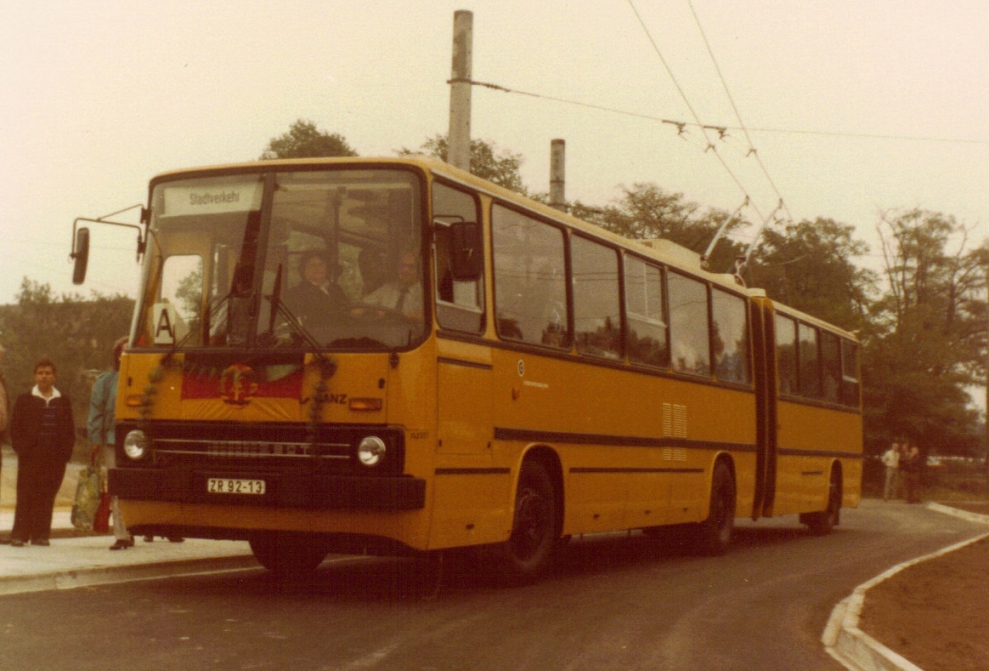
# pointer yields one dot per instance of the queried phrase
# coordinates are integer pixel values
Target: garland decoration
(326, 365)
(155, 375)
(327, 368)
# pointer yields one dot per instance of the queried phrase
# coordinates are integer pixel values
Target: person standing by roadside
(4, 404)
(891, 460)
(42, 432)
(910, 466)
(102, 405)
(4, 417)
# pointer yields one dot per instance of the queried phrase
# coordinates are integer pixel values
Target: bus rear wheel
(714, 533)
(531, 547)
(822, 523)
(288, 555)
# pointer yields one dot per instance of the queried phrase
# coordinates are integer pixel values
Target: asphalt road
(614, 603)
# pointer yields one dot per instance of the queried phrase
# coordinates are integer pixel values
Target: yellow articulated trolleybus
(393, 356)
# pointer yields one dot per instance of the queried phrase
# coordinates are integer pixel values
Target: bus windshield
(307, 259)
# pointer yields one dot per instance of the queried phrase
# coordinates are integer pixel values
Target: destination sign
(181, 201)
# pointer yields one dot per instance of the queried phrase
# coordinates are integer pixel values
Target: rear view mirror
(466, 251)
(80, 254)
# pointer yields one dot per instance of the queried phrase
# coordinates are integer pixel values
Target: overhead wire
(704, 128)
(734, 107)
(683, 125)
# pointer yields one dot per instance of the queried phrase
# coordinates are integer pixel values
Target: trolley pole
(458, 147)
(557, 174)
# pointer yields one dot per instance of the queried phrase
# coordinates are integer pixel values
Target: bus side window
(730, 334)
(786, 355)
(597, 308)
(529, 282)
(849, 373)
(831, 365)
(648, 334)
(689, 328)
(810, 372)
(459, 305)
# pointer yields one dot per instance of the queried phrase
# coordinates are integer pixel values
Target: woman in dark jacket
(42, 433)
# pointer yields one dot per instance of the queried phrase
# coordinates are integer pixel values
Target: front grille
(261, 448)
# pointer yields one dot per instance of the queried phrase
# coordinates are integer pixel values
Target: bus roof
(662, 250)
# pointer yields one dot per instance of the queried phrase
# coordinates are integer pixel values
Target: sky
(853, 107)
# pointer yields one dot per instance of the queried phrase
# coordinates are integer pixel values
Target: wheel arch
(550, 460)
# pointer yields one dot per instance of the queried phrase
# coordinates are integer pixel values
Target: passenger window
(459, 305)
(647, 330)
(786, 355)
(849, 373)
(689, 333)
(810, 372)
(529, 280)
(730, 337)
(830, 366)
(596, 301)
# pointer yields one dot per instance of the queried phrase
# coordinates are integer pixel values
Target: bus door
(764, 335)
(465, 484)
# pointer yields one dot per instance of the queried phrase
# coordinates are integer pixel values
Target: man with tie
(404, 294)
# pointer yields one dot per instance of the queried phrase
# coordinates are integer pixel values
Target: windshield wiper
(278, 308)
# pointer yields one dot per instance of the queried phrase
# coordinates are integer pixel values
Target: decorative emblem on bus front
(237, 385)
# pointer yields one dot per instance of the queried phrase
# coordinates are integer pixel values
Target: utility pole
(987, 375)
(458, 139)
(557, 174)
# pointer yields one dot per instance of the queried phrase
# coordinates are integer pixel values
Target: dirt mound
(934, 613)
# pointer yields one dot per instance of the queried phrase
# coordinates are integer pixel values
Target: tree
(76, 334)
(645, 211)
(809, 266)
(486, 161)
(927, 333)
(304, 140)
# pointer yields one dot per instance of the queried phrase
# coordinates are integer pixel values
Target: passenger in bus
(543, 310)
(402, 295)
(373, 269)
(317, 300)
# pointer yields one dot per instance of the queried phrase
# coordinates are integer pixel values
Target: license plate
(232, 486)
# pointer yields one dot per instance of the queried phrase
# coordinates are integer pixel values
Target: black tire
(288, 555)
(530, 549)
(822, 523)
(714, 533)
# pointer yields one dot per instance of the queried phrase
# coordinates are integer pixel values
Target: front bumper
(282, 490)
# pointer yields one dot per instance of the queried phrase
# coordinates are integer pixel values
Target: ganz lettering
(339, 399)
(259, 449)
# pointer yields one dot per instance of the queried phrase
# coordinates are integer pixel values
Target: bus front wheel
(529, 550)
(288, 555)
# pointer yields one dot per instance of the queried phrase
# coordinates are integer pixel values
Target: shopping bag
(87, 500)
(101, 521)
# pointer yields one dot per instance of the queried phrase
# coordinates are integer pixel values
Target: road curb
(104, 575)
(855, 649)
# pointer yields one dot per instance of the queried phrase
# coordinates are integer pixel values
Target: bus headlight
(371, 451)
(136, 445)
